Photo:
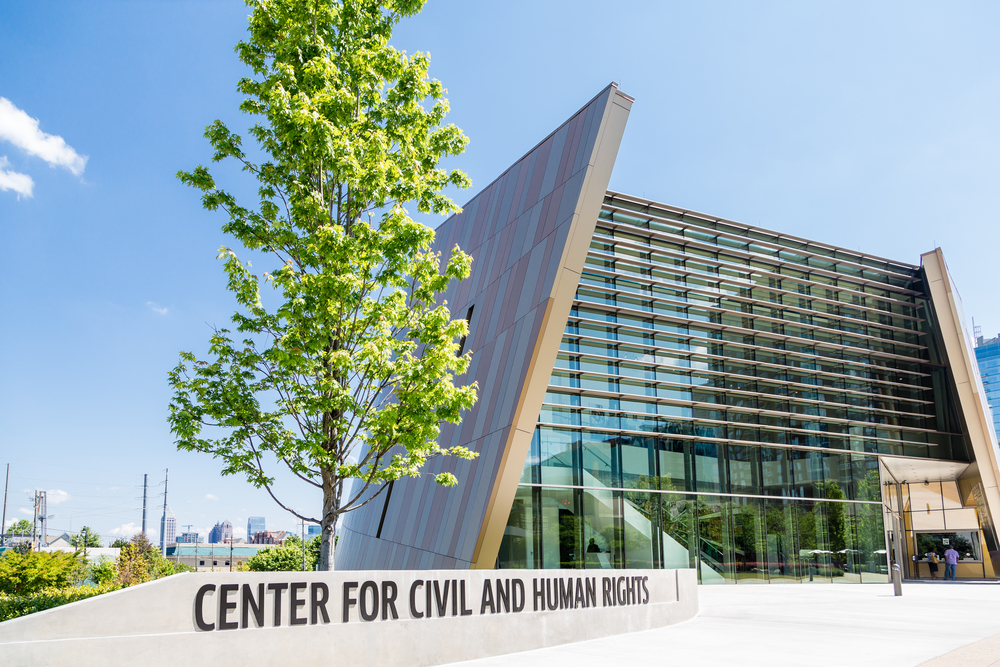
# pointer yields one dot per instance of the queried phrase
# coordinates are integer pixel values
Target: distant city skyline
(221, 532)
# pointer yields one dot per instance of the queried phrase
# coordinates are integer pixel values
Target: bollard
(897, 580)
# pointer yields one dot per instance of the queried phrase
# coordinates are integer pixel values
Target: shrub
(102, 571)
(13, 606)
(23, 574)
(277, 559)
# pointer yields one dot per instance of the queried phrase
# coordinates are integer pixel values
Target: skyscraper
(988, 359)
(221, 532)
(255, 524)
(168, 528)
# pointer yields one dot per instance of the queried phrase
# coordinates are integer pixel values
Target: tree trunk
(331, 510)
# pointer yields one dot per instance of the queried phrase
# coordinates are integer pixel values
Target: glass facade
(988, 359)
(720, 401)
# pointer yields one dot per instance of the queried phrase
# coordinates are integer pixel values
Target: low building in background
(188, 538)
(313, 530)
(212, 557)
(270, 537)
(662, 388)
(221, 532)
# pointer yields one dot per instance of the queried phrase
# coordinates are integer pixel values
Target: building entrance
(935, 506)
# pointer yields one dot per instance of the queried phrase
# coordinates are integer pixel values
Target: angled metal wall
(528, 234)
(984, 472)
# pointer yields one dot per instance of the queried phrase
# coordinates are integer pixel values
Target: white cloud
(211, 496)
(131, 528)
(20, 129)
(56, 496)
(25, 510)
(239, 532)
(161, 310)
(12, 180)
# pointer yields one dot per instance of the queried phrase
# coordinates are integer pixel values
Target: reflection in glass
(641, 525)
(561, 543)
(775, 471)
(530, 472)
(779, 524)
(843, 543)
(601, 530)
(744, 469)
(715, 547)
(674, 465)
(871, 543)
(600, 467)
(517, 549)
(556, 453)
(749, 540)
(679, 535)
(814, 555)
(637, 463)
(709, 469)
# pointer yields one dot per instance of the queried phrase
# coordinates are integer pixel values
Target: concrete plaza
(939, 624)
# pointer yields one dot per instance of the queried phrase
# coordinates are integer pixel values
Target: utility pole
(43, 515)
(163, 522)
(230, 553)
(84, 534)
(3, 524)
(34, 524)
(145, 488)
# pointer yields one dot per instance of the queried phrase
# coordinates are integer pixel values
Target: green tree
(86, 538)
(314, 549)
(349, 375)
(20, 527)
(278, 559)
(118, 543)
(139, 561)
(22, 574)
(102, 571)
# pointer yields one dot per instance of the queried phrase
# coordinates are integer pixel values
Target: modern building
(168, 528)
(188, 538)
(221, 532)
(313, 530)
(255, 524)
(988, 358)
(665, 388)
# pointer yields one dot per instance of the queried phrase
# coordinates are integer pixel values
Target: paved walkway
(937, 624)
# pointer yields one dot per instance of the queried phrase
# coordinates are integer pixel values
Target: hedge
(12, 606)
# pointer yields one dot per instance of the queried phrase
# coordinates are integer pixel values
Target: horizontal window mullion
(851, 391)
(650, 296)
(717, 326)
(775, 246)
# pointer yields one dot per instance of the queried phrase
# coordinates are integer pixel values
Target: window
(468, 321)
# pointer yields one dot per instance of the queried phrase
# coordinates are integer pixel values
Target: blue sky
(866, 125)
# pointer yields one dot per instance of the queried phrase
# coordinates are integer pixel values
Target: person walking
(932, 564)
(950, 563)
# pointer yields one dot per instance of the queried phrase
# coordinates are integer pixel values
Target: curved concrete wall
(383, 618)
